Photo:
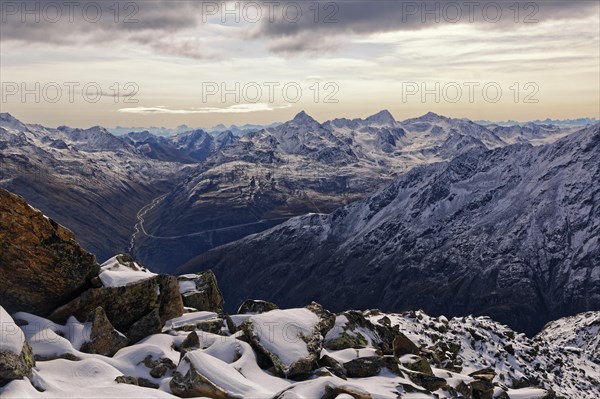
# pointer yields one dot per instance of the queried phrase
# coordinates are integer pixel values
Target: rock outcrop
(201, 291)
(104, 339)
(200, 375)
(138, 308)
(41, 264)
(292, 339)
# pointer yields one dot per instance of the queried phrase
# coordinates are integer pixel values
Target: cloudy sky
(165, 63)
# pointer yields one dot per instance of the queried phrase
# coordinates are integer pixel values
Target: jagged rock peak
(383, 117)
(303, 117)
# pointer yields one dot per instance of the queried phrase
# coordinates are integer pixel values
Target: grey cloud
(155, 16)
(159, 22)
(339, 19)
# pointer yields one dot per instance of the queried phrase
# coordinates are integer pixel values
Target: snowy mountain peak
(432, 116)
(6, 117)
(98, 130)
(303, 117)
(9, 121)
(383, 117)
(194, 132)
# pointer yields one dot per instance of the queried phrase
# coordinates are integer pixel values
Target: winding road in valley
(139, 226)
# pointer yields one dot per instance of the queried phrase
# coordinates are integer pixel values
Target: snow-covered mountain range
(299, 167)
(171, 198)
(471, 219)
(511, 232)
(87, 179)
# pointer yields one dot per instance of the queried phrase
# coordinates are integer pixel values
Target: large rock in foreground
(41, 264)
(137, 302)
(292, 339)
(16, 357)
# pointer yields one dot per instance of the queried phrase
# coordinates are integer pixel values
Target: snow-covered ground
(231, 364)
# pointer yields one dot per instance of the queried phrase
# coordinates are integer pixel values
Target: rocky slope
(307, 353)
(511, 233)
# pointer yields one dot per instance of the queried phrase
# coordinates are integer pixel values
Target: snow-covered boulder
(292, 339)
(201, 292)
(136, 302)
(121, 270)
(16, 358)
(202, 375)
(353, 330)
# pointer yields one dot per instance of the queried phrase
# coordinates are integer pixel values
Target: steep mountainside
(295, 168)
(86, 179)
(512, 233)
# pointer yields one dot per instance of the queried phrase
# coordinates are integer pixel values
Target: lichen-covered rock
(487, 374)
(416, 363)
(255, 306)
(159, 367)
(363, 367)
(104, 339)
(482, 389)
(16, 356)
(123, 305)
(340, 391)
(147, 325)
(292, 339)
(138, 309)
(170, 300)
(191, 342)
(329, 390)
(333, 366)
(55, 269)
(402, 345)
(429, 382)
(201, 291)
(142, 382)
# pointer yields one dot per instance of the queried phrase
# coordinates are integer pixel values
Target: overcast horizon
(159, 63)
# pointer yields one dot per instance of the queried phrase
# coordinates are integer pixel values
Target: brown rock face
(123, 305)
(41, 264)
